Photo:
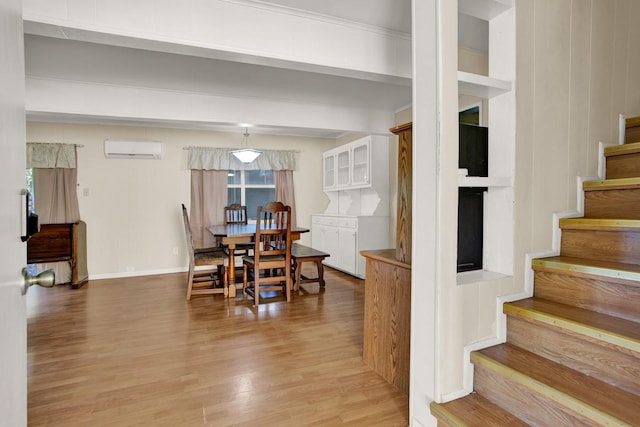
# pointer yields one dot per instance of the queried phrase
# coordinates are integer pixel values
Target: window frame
(243, 187)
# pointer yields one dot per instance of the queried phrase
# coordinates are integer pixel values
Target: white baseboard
(416, 423)
(136, 273)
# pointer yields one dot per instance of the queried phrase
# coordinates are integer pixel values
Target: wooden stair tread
(623, 149)
(632, 121)
(589, 267)
(586, 395)
(632, 225)
(474, 410)
(614, 330)
(612, 184)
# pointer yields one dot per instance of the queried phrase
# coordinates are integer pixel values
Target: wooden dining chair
(237, 214)
(270, 263)
(207, 273)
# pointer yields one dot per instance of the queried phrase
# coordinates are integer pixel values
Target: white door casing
(13, 329)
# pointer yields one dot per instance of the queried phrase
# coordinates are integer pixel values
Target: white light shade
(246, 155)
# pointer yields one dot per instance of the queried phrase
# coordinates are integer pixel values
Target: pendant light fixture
(246, 154)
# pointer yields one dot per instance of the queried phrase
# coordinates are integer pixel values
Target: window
(471, 116)
(251, 188)
(30, 189)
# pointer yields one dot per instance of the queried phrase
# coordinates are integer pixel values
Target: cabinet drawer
(322, 220)
(347, 223)
(335, 221)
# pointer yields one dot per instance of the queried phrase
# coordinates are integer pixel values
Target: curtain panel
(51, 155)
(209, 168)
(56, 195)
(207, 158)
(285, 192)
(208, 199)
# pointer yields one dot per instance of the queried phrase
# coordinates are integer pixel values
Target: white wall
(132, 207)
(576, 66)
(476, 62)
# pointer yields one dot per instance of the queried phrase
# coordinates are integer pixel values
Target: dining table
(230, 235)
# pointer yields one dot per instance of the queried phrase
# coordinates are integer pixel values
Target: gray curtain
(208, 199)
(56, 195)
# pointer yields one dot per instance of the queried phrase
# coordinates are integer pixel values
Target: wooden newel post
(403, 231)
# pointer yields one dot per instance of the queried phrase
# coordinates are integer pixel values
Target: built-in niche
(485, 78)
(473, 160)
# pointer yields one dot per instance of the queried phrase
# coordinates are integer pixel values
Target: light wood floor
(134, 352)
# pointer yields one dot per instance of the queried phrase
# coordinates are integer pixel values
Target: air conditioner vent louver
(132, 149)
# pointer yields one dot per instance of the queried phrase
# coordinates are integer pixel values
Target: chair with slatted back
(207, 274)
(271, 253)
(237, 214)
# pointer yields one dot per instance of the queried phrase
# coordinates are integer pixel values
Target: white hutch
(356, 181)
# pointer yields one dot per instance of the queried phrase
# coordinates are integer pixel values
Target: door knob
(46, 279)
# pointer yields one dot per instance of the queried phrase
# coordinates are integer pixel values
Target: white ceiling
(58, 57)
(390, 14)
(81, 61)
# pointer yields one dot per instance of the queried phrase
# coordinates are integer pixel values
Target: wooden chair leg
(297, 270)
(244, 280)
(222, 274)
(320, 272)
(190, 281)
(288, 286)
(256, 286)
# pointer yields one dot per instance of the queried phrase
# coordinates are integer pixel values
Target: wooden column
(387, 317)
(403, 231)
(387, 297)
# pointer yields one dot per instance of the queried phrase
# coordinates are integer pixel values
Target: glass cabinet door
(329, 171)
(343, 168)
(361, 174)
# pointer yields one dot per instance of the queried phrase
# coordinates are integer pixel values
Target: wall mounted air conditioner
(132, 149)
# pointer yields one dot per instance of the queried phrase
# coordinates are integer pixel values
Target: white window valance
(207, 158)
(51, 155)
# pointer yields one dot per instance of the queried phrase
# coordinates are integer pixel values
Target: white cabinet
(343, 237)
(356, 182)
(329, 171)
(343, 173)
(351, 165)
(356, 177)
(337, 168)
(361, 164)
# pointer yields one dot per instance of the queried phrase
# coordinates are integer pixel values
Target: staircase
(572, 355)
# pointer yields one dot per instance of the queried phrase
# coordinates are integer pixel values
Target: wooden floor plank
(133, 352)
